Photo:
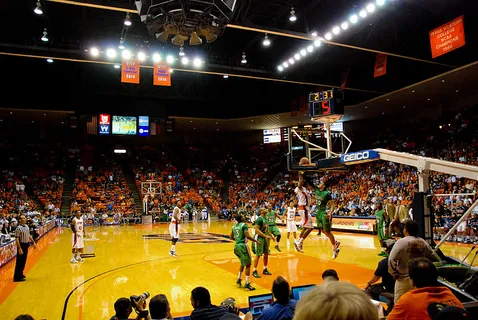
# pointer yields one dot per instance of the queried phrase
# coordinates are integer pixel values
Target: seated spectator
(330, 273)
(335, 300)
(203, 308)
(7, 229)
(427, 295)
(233, 310)
(24, 317)
(123, 309)
(283, 307)
(159, 308)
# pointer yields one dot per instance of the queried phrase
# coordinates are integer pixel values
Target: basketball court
(132, 259)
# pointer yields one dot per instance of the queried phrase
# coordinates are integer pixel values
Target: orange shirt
(413, 304)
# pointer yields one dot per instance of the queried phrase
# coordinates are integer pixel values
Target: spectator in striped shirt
(23, 240)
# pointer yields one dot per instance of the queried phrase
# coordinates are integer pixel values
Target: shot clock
(327, 106)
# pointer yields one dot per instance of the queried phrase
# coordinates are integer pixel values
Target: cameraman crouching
(124, 307)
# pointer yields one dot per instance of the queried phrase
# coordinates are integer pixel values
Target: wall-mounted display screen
(124, 125)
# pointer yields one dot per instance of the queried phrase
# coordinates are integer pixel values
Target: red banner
(380, 65)
(162, 75)
(448, 37)
(130, 71)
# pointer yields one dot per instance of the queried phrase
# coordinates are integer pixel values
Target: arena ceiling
(76, 81)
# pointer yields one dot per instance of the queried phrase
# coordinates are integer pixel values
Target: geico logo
(357, 156)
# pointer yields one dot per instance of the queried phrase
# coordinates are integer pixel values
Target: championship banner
(448, 37)
(130, 71)
(161, 75)
(380, 65)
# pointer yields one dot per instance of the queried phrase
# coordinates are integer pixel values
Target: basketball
(304, 161)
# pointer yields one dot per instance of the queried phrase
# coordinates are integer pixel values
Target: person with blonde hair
(336, 300)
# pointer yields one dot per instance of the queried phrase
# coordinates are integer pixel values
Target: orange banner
(380, 65)
(162, 75)
(130, 71)
(448, 37)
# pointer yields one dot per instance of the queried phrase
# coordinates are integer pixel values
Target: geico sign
(357, 156)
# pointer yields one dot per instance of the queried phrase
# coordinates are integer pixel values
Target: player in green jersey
(271, 216)
(324, 219)
(382, 229)
(260, 248)
(240, 233)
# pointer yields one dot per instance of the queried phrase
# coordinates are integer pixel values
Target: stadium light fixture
(111, 53)
(297, 56)
(380, 2)
(44, 38)
(285, 65)
(126, 54)
(225, 76)
(363, 13)
(353, 18)
(303, 52)
(370, 7)
(328, 36)
(310, 48)
(119, 151)
(266, 42)
(141, 56)
(94, 52)
(317, 43)
(116, 66)
(156, 57)
(38, 10)
(314, 34)
(181, 51)
(49, 60)
(170, 59)
(127, 20)
(280, 68)
(292, 16)
(121, 44)
(171, 70)
(197, 62)
(244, 60)
(185, 61)
(291, 61)
(336, 30)
(344, 25)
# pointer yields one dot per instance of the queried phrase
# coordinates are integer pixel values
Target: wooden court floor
(133, 259)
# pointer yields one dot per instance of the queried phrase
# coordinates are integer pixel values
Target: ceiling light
(344, 25)
(291, 61)
(314, 34)
(328, 36)
(336, 30)
(317, 43)
(388, 99)
(363, 13)
(413, 91)
(44, 38)
(197, 62)
(303, 52)
(171, 70)
(185, 60)
(280, 68)
(353, 18)
(310, 48)
(428, 99)
(457, 91)
(116, 66)
(181, 51)
(94, 52)
(121, 45)
(285, 65)
(127, 20)
(266, 42)
(111, 53)
(443, 80)
(156, 57)
(380, 2)
(370, 7)
(126, 54)
(141, 56)
(38, 9)
(49, 60)
(170, 59)
(292, 15)
(297, 56)
(119, 151)
(244, 60)
(225, 76)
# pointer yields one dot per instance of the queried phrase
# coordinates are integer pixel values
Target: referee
(23, 239)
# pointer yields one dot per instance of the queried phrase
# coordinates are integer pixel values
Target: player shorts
(382, 235)
(241, 250)
(323, 222)
(261, 247)
(174, 230)
(274, 230)
(77, 241)
(291, 226)
(306, 219)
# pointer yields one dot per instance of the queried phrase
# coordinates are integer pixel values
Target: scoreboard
(326, 106)
(275, 135)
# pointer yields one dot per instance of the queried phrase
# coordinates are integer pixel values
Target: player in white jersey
(304, 202)
(78, 228)
(291, 227)
(174, 227)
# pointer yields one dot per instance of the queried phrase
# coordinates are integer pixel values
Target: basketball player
(77, 226)
(174, 228)
(303, 209)
(260, 248)
(271, 216)
(240, 233)
(291, 227)
(324, 219)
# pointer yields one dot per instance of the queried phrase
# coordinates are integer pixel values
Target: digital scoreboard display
(272, 136)
(326, 106)
(321, 96)
(124, 125)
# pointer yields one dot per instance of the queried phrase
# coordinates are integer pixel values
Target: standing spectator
(404, 250)
(23, 239)
(284, 307)
(426, 296)
(203, 308)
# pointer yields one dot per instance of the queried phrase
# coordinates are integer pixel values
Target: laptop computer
(299, 291)
(259, 303)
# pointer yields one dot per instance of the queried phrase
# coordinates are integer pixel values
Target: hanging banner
(161, 75)
(380, 65)
(130, 71)
(448, 37)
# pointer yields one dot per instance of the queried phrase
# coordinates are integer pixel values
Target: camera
(144, 295)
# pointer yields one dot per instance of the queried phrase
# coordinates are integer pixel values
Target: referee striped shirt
(23, 234)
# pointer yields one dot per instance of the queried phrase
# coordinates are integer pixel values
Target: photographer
(124, 307)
